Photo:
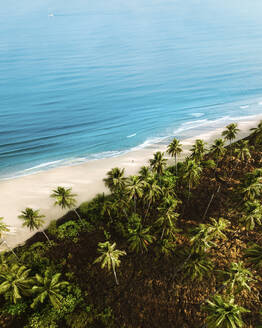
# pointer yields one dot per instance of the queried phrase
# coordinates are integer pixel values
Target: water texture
(86, 79)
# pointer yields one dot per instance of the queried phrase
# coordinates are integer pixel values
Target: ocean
(83, 80)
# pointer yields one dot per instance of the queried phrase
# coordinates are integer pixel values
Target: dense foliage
(178, 245)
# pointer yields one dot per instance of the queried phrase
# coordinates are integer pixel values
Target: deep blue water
(87, 79)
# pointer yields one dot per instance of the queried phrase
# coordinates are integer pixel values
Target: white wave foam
(260, 103)
(244, 106)
(149, 142)
(131, 135)
(197, 114)
(43, 165)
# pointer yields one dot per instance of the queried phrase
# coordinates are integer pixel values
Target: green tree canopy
(109, 257)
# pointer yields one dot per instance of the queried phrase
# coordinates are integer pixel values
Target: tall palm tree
(218, 149)
(109, 257)
(65, 199)
(238, 277)
(242, 150)
(152, 192)
(224, 313)
(158, 163)
(254, 255)
(16, 282)
(134, 188)
(252, 214)
(192, 173)
(257, 132)
(168, 184)
(144, 173)
(198, 150)
(49, 287)
(3, 227)
(140, 239)
(168, 218)
(174, 149)
(115, 180)
(231, 132)
(33, 220)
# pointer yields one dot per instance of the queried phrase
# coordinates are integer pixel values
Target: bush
(69, 229)
(52, 228)
(15, 309)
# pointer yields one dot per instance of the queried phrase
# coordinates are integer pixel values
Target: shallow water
(85, 80)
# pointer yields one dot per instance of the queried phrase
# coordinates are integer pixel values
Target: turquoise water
(81, 80)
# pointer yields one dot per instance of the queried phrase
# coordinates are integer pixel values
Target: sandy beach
(85, 179)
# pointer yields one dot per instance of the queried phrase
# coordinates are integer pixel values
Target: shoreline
(85, 179)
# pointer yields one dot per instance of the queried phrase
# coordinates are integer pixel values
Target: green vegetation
(174, 246)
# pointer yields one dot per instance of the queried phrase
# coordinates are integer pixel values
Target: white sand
(85, 180)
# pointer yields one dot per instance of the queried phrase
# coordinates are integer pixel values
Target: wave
(43, 165)
(131, 135)
(180, 132)
(244, 106)
(197, 114)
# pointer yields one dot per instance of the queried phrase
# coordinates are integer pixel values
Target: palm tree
(252, 190)
(174, 149)
(65, 199)
(33, 220)
(238, 278)
(168, 218)
(192, 173)
(140, 239)
(152, 192)
(144, 173)
(164, 247)
(198, 150)
(230, 132)
(223, 313)
(218, 149)
(15, 282)
(158, 163)
(115, 180)
(199, 266)
(242, 151)
(3, 227)
(49, 287)
(109, 257)
(254, 255)
(204, 234)
(251, 187)
(252, 214)
(201, 239)
(134, 188)
(218, 227)
(257, 132)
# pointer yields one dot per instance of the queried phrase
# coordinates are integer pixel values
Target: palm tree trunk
(11, 250)
(188, 192)
(78, 216)
(46, 237)
(114, 270)
(210, 201)
(162, 235)
(176, 164)
(148, 208)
